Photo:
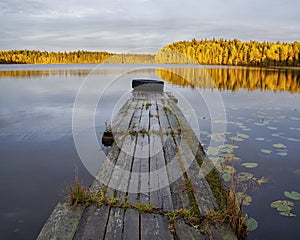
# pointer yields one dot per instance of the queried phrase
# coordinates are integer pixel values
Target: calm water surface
(38, 156)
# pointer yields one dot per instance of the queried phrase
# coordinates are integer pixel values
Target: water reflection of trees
(233, 78)
(26, 74)
(69, 73)
(223, 78)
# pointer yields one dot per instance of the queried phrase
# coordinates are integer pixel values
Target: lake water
(38, 156)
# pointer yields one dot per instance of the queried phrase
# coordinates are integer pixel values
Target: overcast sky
(141, 25)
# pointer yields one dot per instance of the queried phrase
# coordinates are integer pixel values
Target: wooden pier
(152, 178)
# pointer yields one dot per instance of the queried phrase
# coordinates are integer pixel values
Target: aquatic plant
(292, 195)
(249, 165)
(284, 207)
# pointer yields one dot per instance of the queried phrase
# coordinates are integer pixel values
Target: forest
(231, 52)
(205, 52)
(79, 57)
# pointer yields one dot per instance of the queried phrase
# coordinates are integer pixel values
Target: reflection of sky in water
(36, 118)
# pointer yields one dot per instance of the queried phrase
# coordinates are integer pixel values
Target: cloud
(122, 25)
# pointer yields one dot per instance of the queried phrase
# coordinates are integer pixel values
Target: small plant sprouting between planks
(145, 132)
(78, 194)
(148, 105)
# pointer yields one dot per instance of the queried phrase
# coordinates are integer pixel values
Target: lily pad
(252, 224)
(284, 208)
(243, 176)
(247, 129)
(282, 154)
(267, 151)
(226, 177)
(287, 214)
(259, 139)
(241, 135)
(227, 169)
(250, 164)
(275, 135)
(282, 205)
(237, 139)
(242, 196)
(292, 195)
(228, 148)
(279, 145)
(212, 150)
(293, 139)
(295, 118)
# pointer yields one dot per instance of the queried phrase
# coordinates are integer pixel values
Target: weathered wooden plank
(158, 172)
(155, 226)
(142, 153)
(117, 120)
(131, 225)
(121, 174)
(62, 223)
(115, 223)
(120, 133)
(185, 231)
(190, 148)
(222, 232)
(179, 197)
(190, 137)
(104, 173)
(202, 191)
(121, 126)
(134, 181)
(93, 223)
(139, 95)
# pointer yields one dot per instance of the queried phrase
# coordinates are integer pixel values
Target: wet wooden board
(159, 176)
(188, 154)
(179, 196)
(142, 148)
(62, 223)
(124, 119)
(131, 225)
(154, 227)
(134, 186)
(184, 231)
(114, 227)
(93, 223)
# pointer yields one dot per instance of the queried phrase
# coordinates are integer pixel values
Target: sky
(141, 26)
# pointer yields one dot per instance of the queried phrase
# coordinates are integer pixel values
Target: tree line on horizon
(205, 52)
(231, 52)
(79, 57)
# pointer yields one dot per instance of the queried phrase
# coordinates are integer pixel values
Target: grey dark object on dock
(147, 85)
(107, 138)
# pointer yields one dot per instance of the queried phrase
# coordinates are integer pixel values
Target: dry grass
(78, 194)
(232, 213)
